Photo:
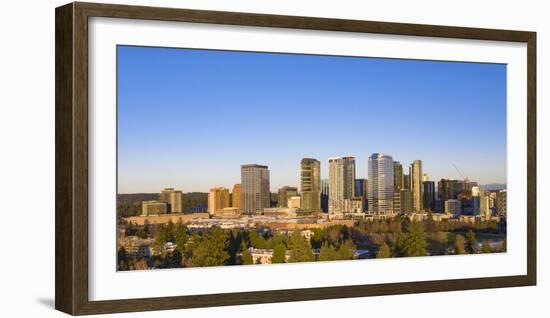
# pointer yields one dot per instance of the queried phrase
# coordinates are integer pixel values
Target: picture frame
(72, 243)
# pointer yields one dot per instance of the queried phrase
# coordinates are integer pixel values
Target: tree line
(398, 237)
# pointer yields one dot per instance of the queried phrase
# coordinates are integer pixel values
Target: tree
(279, 254)
(234, 247)
(398, 248)
(181, 237)
(327, 252)
(471, 242)
(300, 249)
(459, 245)
(122, 258)
(431, 225)
(383, 251)
(415, 242)
(257, 240)
(246, 258)
(346, 250)
(211, 250)
(486, 248)
(438, 243)
(143, 232)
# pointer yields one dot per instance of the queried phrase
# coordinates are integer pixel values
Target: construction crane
(460, 173)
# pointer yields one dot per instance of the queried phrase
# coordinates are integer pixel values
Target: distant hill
(493, 186)
(131, 198)
(129, 204)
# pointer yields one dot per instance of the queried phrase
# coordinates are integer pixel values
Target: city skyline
(195, 139)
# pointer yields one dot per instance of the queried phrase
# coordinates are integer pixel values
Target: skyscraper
(415, 172)
(406, 201)
(341, 177)
(237, 196)
(501, 202)
(173, 199)
(324, 195)
(361, 189)
(397, 176)
(310, 182)
(485, 204)
(476, 200)
(428, 195)
(218, 198)
(284, 194)
(255, 188)
(380, 184)
(448, 189)
(406, 181)
(360, 192)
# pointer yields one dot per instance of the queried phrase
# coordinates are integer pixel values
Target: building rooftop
(253, 165)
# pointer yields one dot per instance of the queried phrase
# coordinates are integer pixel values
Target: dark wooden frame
(71, 157)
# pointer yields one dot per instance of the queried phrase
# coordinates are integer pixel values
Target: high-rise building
(406, 201)
(485, 204)
(453, 206)
(310, 182)
(380, 184)
(501, 202)
(428, 195)
(255, 188)
(476, 200)
(397, 201)
(406, 182)
(237, 197)
(341, 182)
(425, 177)
(415, 172)
(284, 194)
(466, 185)
(324, 195)
(349, 177)
(397, 176)
(448, 189)
(361, 189)
(218, 199)
(173, 199)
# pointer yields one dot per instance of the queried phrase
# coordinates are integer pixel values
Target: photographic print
(231, 158)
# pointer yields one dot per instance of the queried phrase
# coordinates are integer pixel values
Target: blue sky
(189, 118)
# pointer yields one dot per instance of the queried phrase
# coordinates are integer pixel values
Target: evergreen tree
(398, 248)
(279, 254)
(327, 252)
(346, 250)
(300, 249)
(246, 258)
(181, 237)
(459, 245)
(257, 240)
(383, 251)
(415, 243)
(234, 247)
(211, 250)
(471, 242)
